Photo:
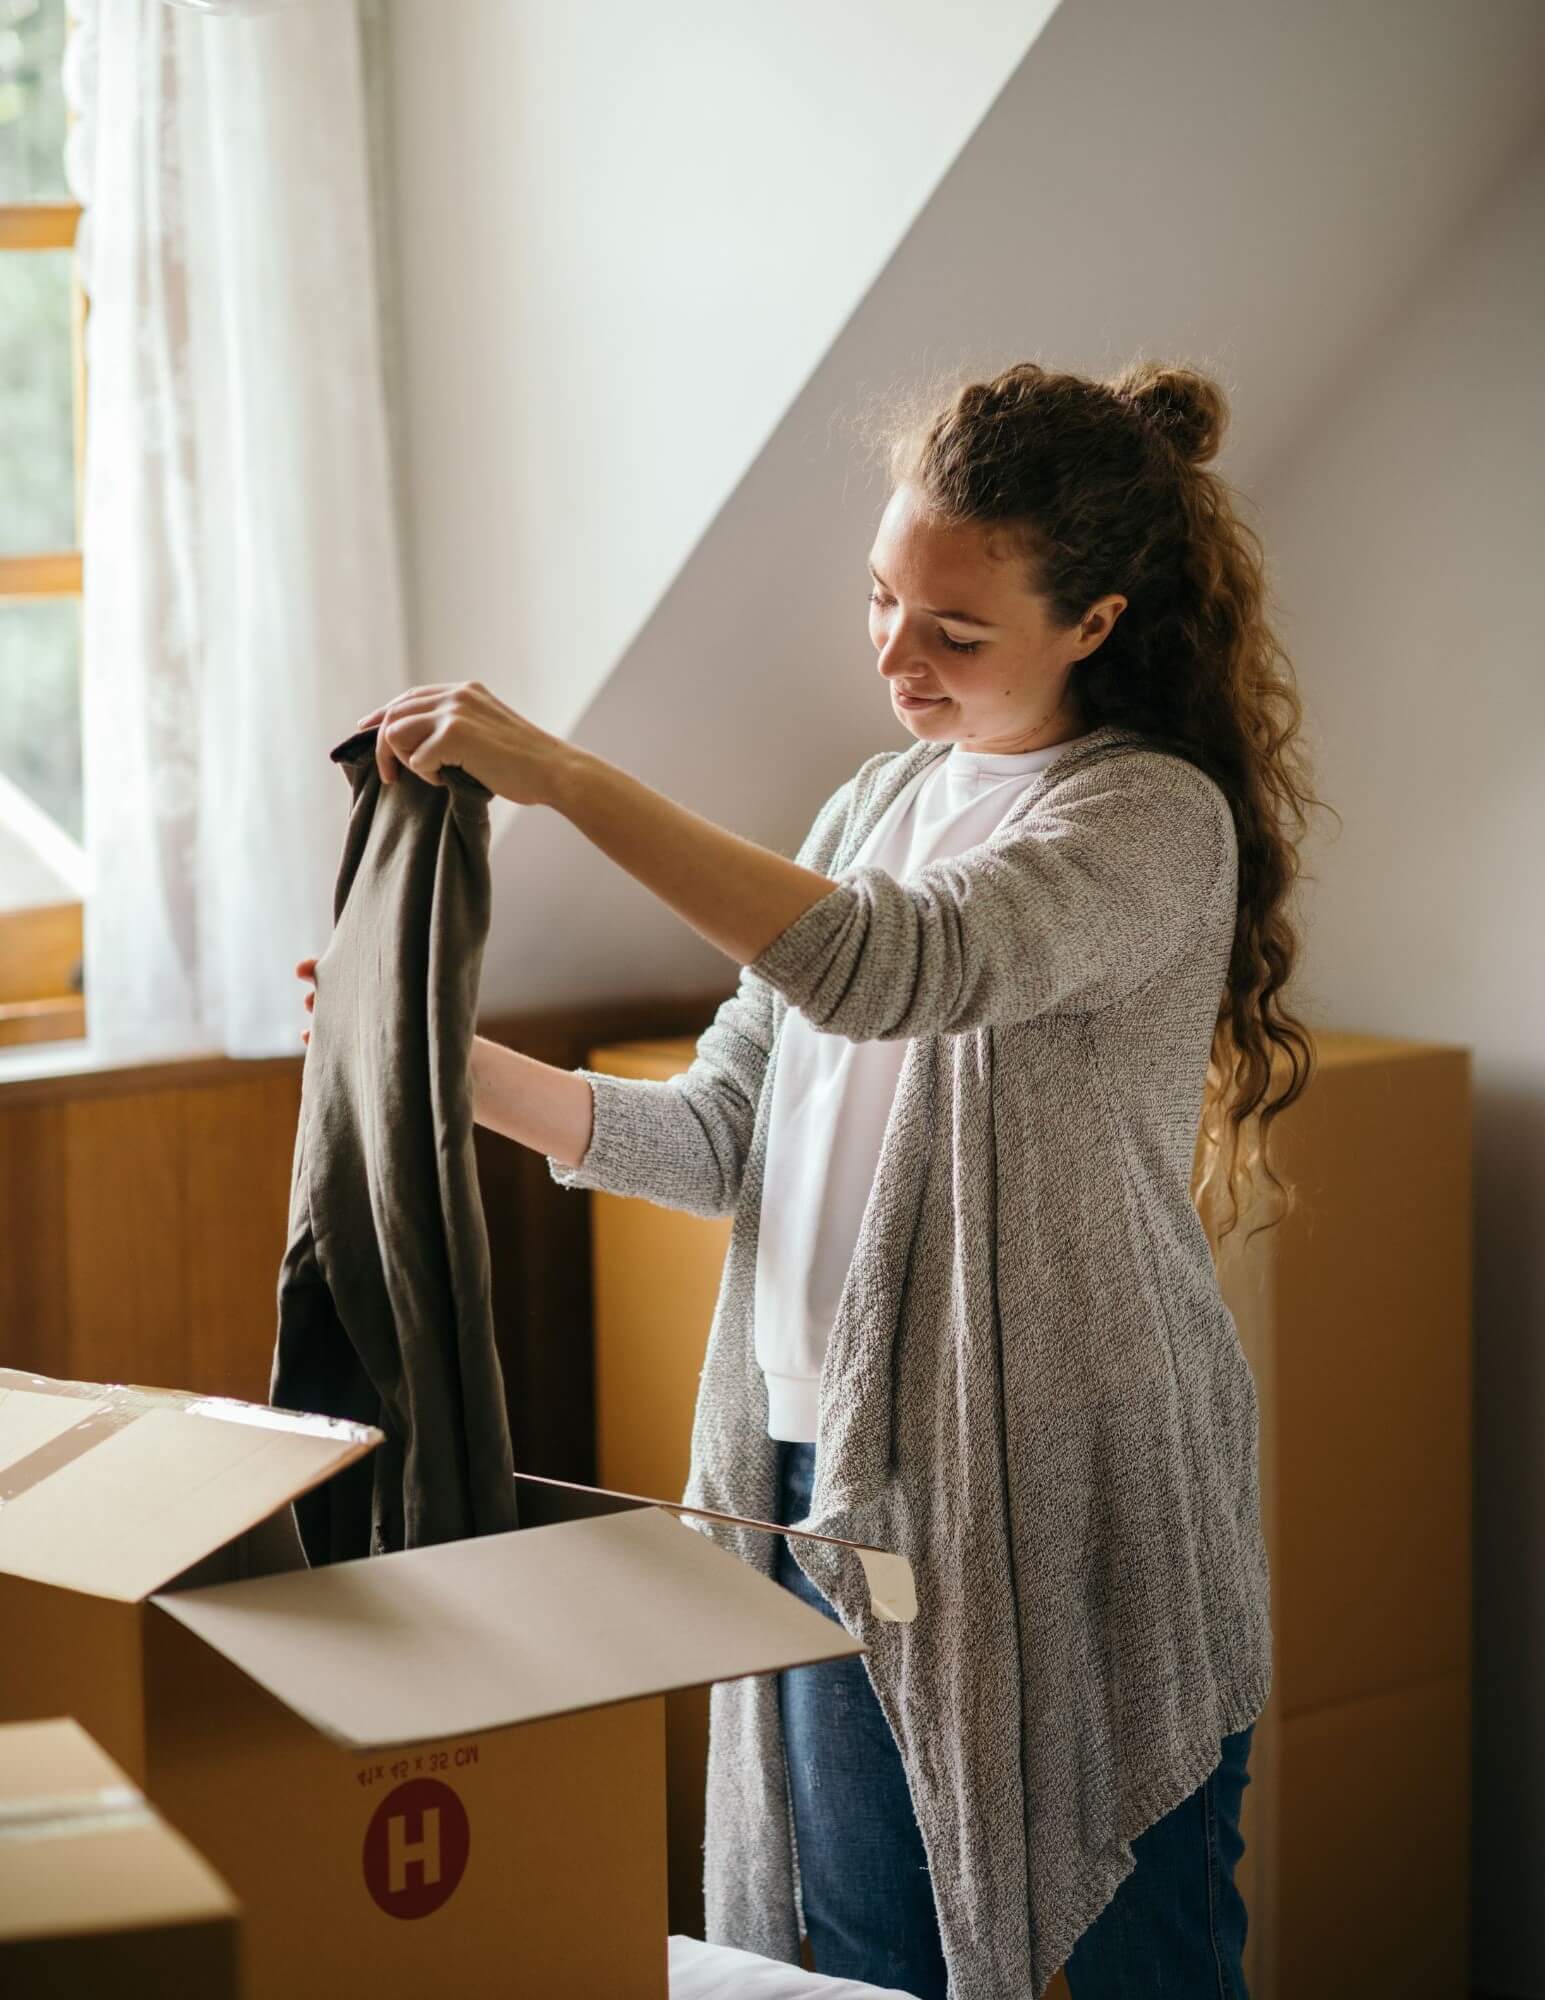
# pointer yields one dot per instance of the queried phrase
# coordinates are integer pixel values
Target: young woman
(1023, 974)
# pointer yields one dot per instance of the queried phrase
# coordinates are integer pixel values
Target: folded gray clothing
(384, 1295)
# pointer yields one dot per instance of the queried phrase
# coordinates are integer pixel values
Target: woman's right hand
(307, 969)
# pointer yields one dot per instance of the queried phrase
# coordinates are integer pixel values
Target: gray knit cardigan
(1032, 1387)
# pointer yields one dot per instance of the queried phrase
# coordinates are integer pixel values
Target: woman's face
(956, 623)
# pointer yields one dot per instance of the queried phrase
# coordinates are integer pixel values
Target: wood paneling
(539, 1249)
(238, 1147)
(143, 1217)
(34, 1310)
(124, 1246)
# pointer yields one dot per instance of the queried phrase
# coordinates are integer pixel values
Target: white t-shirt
(832, 1098)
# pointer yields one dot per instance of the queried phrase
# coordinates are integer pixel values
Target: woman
(969, 1309)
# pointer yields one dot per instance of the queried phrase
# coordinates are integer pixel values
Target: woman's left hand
(461, 723)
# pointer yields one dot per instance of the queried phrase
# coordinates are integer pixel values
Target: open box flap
(114, 1490)
(501, 1629)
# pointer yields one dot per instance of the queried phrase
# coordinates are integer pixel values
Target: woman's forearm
(732, 892)
(533, 1102)
(737, 895)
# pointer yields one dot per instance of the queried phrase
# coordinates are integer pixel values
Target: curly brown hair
(1101, 487)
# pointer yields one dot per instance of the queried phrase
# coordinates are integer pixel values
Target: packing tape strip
(122, 1403)
(82, 1392)
(24, 1473)
(892, 1587)
(51, 1816)
(305, 1423)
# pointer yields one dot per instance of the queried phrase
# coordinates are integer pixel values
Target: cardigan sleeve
(682, 1141)
(1100, 885)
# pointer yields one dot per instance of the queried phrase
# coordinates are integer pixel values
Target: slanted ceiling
(1248, 186)
(624, 236)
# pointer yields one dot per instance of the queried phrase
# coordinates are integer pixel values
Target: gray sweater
(1032, 1388)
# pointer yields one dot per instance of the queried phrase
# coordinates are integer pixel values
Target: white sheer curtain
(242, 600)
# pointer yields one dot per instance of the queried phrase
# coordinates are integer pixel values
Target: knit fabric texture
(1033, 1388)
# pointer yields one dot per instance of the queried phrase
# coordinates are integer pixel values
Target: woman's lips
(919, 701)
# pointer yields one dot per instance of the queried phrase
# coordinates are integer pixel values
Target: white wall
(625, 234)
(1084, 219)
(1306, 198)
(1406, 532)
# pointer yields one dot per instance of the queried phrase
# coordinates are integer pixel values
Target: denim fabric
(1175, 1929)
(863, 1874)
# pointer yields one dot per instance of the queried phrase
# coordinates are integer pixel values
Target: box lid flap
(501, 1629)
(114, 1489)
(82, 1850)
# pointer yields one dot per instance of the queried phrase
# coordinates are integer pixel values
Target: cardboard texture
(438, 1770)
(107, 1493)
(504, 1629)
(892, 1587)
(1355, 1315)
(97, 1893)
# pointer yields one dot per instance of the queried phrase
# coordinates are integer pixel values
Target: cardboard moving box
(97, 1893)
(110, 1493)
(440, 1771)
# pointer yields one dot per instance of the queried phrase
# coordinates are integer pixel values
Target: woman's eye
(955, 645)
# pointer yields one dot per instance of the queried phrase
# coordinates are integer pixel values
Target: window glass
(31, 101)
(37, 493)
(40, 766)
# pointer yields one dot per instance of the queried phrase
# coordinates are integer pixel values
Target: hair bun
(1187, 408)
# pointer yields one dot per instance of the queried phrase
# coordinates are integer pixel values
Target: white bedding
(701, 1971)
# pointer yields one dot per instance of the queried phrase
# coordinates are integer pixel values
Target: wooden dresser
(1355, 1315)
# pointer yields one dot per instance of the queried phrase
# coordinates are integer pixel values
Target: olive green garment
(385, 1310)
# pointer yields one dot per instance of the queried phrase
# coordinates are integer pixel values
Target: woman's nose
(891, 655)
(894, 659)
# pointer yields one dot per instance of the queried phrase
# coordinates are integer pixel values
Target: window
(42, 319)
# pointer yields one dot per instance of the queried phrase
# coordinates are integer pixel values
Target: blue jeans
(1175, 1929)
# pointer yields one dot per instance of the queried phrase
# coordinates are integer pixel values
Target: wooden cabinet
(1355, 1315)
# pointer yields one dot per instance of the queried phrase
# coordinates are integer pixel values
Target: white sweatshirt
(832, 1097)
